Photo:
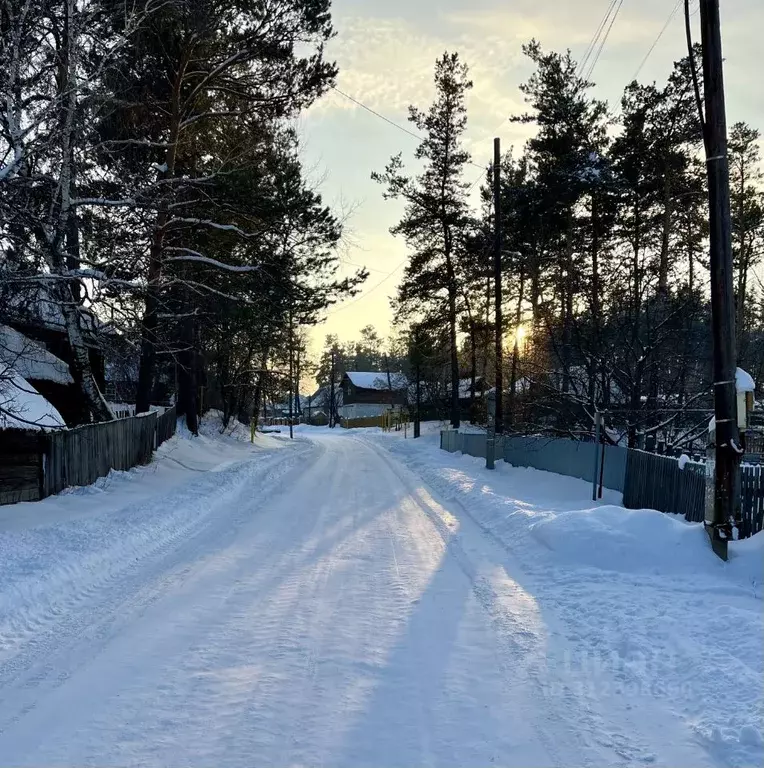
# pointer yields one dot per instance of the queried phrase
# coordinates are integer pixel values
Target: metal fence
(647, 480)
(53, 461)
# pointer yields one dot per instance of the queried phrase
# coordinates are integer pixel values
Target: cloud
(387, 63)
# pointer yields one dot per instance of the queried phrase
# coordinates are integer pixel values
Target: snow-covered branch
(189, 255)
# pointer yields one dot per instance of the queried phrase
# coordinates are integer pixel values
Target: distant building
(370, 393)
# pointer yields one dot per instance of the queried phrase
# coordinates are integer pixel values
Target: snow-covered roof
(377, 380)
(23, 407)
(744, 381)
(465, 387)
(30, 359)
(35, 305)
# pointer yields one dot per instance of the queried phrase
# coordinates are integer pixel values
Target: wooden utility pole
(497, 283)
(726, 502)
(331, 395)
(291, 375)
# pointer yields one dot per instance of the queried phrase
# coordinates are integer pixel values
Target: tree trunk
(187, 405)
(417, 413)
(516, 351)
(81, 369)
(455, 415)
(150, 321)
(663, 264)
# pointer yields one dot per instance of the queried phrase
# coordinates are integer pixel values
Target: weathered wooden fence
(752, 499)
(37, 464)
(165, 426)
(647, 480)
(657, 482)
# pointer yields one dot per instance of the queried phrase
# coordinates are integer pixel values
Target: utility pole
(291, 374)
(720, 520)
(331, 395)
(499, 418)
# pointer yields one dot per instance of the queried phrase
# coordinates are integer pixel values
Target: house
(316, 407)
(371, 393)
(35, 314)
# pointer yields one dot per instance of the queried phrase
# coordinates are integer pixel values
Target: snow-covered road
(319, 606)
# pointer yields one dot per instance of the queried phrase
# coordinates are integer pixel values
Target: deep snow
(352, 598)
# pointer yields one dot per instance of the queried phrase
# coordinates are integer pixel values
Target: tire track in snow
(517, 645)
(65, 631)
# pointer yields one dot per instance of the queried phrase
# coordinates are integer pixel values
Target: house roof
(377, 380)
(23, 407)
(34, 306)
(30, 359)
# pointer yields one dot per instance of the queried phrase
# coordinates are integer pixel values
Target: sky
(386, 51)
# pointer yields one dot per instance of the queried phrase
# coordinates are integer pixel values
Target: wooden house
(370, 393)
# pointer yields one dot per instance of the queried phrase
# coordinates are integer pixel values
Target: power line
(413, 135)
(371, 290)
(613, 17)
(346, 263)
(595, 37)
(657, 39)
(377, 114)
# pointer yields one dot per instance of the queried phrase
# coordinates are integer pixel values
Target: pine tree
(435, 218)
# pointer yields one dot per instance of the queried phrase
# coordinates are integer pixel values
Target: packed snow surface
(354, 598)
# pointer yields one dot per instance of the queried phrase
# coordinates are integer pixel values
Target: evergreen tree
(435, 217)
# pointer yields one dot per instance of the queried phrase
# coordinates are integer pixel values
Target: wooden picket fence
(656, 482)
(45, 463)
(751, 500)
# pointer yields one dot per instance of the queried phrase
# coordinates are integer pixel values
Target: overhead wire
(657, 39)
(370, 291)
(413, 135)
(595, 37)
(359, 103)
(604, 38)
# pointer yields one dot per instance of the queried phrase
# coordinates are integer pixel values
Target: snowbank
(56, 553)
(178, 460)
(635, 541)
(636, 597)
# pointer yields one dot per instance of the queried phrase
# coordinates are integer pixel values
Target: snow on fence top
(29, 359)
(377, 380)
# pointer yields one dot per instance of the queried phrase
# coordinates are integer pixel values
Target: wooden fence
(751, 500)
(648, 480)
(38, 464)
(656, 482)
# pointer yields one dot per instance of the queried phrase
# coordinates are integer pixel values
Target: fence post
(595, 473)
(490, 446)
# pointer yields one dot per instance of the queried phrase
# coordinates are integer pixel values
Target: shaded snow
(638, 597)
